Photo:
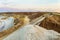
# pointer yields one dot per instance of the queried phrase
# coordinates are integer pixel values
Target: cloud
(31, 4)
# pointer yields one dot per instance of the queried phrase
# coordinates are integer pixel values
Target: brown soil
(48, 23)
(51, 23)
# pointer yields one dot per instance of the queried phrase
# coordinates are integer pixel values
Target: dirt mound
(52, 23)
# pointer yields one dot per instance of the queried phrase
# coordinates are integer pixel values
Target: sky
(31, 4)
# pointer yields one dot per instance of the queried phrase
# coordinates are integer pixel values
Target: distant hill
(2, 9)
(16, 10)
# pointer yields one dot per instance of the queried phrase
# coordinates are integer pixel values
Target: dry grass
(48, 23)
(19, 21)
(52, 23)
